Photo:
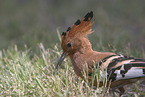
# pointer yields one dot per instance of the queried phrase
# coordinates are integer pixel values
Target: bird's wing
(121, 67)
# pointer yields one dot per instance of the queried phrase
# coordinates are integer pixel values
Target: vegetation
(22, 75)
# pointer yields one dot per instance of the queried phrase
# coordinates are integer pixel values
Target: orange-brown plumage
(76, 45)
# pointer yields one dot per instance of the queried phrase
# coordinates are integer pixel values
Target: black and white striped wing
(121, 67)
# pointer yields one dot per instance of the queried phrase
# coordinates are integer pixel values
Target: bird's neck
(85, 56)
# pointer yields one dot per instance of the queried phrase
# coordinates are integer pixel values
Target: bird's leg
(122, 90)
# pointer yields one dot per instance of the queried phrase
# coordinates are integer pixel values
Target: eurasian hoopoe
(121, 70)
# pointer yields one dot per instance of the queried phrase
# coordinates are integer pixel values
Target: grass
(22, 75)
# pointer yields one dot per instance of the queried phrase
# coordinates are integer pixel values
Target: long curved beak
(62, 57)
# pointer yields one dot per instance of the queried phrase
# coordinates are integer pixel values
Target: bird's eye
(69, 45)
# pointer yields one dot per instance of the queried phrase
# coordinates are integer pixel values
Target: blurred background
(29, 22)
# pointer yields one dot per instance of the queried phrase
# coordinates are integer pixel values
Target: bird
(120, 70)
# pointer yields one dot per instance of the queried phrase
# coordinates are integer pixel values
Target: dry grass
(21, 75)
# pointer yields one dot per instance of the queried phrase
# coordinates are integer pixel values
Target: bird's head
(75, 38)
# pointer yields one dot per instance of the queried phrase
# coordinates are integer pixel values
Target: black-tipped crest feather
(68, 29)
(64, 33)
(88, 15)
(77, 22)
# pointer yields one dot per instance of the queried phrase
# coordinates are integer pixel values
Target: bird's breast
(78, 67)
(81, 60)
